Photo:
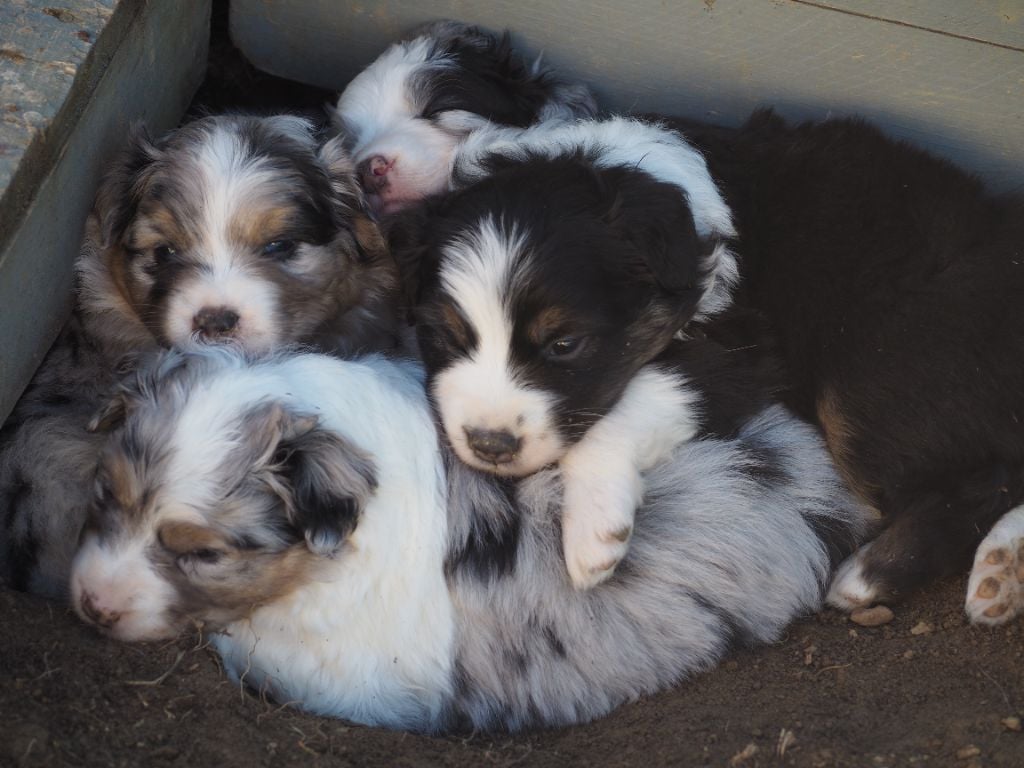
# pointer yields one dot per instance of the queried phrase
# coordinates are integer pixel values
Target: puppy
(549, 291)
(404, 115)
(231, 229)
(237, 229)
(892, 303)
(299, 508)
(892, 280)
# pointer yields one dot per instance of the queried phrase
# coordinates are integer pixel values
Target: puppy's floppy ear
(323, 478)
(112, 413)
(656, 219)
(118, 195)
(142, 375)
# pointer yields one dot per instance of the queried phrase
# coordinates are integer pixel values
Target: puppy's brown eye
(565, 348)
(163, 253)
(282, 250)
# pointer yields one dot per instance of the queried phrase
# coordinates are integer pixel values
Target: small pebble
(1011, 723)
(908, 655)
(921, 628)
(966, 752)
(872, 617)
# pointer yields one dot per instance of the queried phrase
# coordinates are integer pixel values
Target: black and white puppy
(303, 509)
(231, 229)
(889, 278)
(404, 115)
(548, 294)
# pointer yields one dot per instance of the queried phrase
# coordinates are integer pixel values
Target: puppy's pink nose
(214, 321)
(97, 615)
(373, 172)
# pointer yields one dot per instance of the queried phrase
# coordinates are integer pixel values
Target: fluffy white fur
(851, 589)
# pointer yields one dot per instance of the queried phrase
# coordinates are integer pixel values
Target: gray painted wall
(946, 74)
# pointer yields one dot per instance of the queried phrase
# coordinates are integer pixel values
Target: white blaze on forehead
(478, 272)
(482, 391)
(231, 179)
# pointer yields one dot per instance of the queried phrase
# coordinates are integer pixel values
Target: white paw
(597, 523)
(995, 591)
(850, 589)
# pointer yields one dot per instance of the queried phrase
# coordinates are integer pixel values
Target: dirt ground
(926, 689)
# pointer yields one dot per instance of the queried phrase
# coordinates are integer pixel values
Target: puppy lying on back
(231, 229)
(548, 294)
(298, 507)
(404, 115)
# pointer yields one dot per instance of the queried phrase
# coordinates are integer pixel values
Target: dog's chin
(197, 343)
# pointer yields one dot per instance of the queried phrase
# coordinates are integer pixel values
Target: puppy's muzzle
(212, 322)
(492, 446)
(97, 615)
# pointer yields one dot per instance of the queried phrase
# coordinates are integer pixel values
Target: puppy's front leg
(601, 473)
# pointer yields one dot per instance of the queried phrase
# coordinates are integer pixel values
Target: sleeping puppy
(304, 511)
(893, 281)
(547, 296)
(404, 115)
(231, 229)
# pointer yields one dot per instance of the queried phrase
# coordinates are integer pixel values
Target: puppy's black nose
(214, 321)
(492, 446)
(373, 172)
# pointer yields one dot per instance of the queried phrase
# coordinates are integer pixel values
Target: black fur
(892, 281)
(490, 79)
(614, 251)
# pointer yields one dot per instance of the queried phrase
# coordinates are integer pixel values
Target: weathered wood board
(946, 74)
(73, 77)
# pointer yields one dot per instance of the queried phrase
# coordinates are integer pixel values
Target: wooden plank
(718, 60)
(154, 67)
(1000, 22)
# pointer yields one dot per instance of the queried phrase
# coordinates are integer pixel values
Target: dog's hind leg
(931, 536)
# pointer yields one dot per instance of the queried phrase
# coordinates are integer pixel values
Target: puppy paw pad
(997, 556)
(995, 591)
(988, 588)
(994, 611)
